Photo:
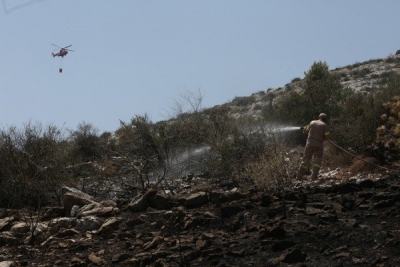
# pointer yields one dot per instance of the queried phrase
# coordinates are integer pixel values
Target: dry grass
(273, 171)
(363, 165)
(334, 157)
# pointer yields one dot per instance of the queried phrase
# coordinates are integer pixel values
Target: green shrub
(233, 143)
(243, 101)
(258, 107)
(391, 60)
(356, 125)
(360, 73)
(86, 143)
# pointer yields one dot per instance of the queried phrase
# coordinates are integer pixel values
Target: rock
(88, 223)
(266, 200)
(218, 196)
(74, 211)
(39, 230)
(277, 232)
(282, 245)
(196, 221)
(293, 256)
(75, 261)
(202, 244)
(66, 233)
(20, 228)
(229, 211)
(109, 203)
(6, 238)
(196, 200)
(53, 212)
(6, 222)
(154, 243)
(75, 191)
(139, 205)
(70, 199)
(120, 257)
(7, 264)
(143, 203)
(100, 211)
(384, 204)
(93, 258)
(160, 202)
(63, 222)
(109, 226)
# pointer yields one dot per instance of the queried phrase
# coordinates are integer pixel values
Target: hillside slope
(363, 77)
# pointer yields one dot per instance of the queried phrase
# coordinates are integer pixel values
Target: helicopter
(63, 51)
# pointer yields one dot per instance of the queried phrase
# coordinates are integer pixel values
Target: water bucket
(60, 70)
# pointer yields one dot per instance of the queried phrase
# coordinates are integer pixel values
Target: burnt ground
(348, 223)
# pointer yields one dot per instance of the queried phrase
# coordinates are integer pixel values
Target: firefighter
(318, 133)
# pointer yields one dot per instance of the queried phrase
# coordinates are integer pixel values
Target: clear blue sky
(135, 57)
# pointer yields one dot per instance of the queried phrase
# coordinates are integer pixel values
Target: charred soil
(350, 223)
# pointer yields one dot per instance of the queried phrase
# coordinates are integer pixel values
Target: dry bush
(32, 162)
(335, 157)
(272, 171)
(109, 169)
(387, 141)
(362, 165)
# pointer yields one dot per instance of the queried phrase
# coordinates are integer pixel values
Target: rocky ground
(330, 222)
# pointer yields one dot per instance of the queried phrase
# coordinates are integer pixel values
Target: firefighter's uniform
(318, 132)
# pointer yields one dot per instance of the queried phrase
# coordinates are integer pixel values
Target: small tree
(140, 144)
(86, 143)
(322, 92)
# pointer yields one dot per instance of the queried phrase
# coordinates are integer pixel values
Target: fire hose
(346, 151)
(354, 156)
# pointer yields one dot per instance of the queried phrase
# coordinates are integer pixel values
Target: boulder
(160, 202)
(88, 223)
(109, 226)
(7, 264)
(70, 199)
(67, 189)
(5, 222)
(196, 200)
(19, 228)
(63, 222)
(100, 211)
(93, 258)
(143, 202)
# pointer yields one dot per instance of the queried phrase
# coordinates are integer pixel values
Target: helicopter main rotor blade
(67, 46)
(56, 45)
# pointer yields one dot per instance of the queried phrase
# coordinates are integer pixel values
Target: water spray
(286, 128)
